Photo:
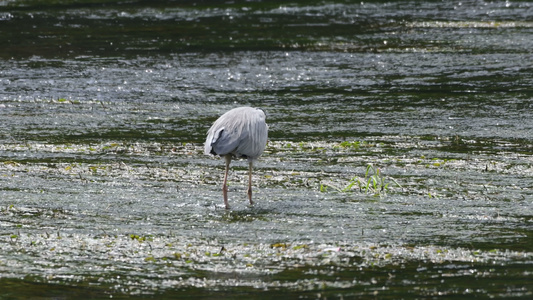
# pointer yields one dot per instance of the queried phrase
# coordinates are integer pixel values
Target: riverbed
(399, 162)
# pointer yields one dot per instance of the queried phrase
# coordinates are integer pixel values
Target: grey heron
(241, 133)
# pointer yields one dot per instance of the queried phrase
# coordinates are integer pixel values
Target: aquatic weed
(355, 144)
(373, 182)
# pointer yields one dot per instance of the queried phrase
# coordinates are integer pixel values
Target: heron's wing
(253, 144)
(225, 142)
(208, 147)
(241, 131)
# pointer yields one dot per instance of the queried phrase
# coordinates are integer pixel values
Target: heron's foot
(225, 193)
(250, 196)
(226, 203)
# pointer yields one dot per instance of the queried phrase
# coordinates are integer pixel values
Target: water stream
(399, 162)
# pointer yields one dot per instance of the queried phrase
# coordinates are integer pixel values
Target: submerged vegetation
(399, 166)
(372, 183)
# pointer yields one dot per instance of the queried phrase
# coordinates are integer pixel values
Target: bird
(239, 133)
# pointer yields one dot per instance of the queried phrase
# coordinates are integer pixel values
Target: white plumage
(241, 133)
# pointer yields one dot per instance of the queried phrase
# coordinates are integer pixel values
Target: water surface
(105, 191)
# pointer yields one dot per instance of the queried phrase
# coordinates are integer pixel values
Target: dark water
(105, 191)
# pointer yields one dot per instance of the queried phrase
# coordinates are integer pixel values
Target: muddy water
(105, 191)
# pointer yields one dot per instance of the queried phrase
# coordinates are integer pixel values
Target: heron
(239, 133)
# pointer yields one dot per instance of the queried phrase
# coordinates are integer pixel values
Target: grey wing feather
(241, 131)
(252, 145)
(226, 142)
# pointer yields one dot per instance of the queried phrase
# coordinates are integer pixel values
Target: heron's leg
(250, 183)
(225, 186)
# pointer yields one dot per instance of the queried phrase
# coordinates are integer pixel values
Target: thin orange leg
(250, 183)
(225, 186)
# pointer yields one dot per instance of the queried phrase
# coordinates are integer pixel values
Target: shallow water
(105, 191)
